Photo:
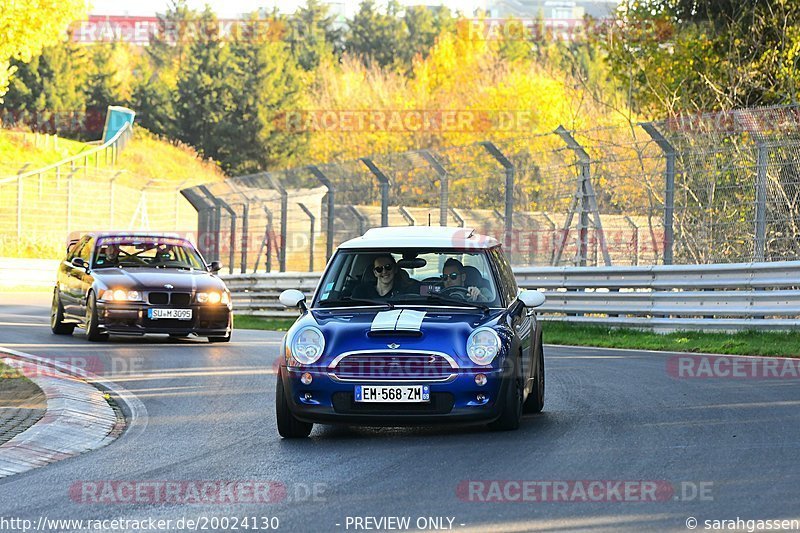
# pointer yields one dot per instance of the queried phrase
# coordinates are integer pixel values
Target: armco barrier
(736, 296)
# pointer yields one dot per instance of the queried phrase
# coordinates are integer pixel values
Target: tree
(27, 27)
(313, 35)
(376, 37)
(48, 92)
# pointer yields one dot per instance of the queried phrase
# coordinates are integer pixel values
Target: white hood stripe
(402, 320)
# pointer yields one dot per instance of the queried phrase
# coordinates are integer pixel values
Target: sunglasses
(379, 269)
(451, 275)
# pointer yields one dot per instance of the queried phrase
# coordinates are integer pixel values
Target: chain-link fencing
(712, 188)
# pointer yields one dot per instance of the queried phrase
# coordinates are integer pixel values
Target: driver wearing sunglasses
(453, 275)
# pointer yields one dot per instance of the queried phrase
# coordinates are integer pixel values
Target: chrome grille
(391, 366)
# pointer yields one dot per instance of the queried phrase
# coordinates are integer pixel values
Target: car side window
(76, 248)
(86, 250)
(508, 284)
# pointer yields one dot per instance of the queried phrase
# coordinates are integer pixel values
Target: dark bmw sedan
(132, 284)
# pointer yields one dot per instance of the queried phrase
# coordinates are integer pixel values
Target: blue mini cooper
(412, 326)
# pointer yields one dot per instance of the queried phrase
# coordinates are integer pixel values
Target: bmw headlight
(120, 295)
(307, 345)
(213, 297)
(483, 346)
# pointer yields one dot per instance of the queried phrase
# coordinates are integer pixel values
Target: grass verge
(781, 344)
(255, 322)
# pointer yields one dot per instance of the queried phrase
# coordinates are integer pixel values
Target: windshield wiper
(347, 300)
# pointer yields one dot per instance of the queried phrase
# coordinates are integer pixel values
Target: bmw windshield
(149, 252)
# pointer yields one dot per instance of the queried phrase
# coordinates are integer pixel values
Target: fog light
(480, 380)
(480, 398)
(307, 396)
(306, 379)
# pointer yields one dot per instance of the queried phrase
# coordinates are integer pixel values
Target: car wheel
(57, 317)
(92, 321)
(512, 405)
(535, 401)
(288, 426)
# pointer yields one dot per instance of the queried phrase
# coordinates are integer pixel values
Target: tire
(92, 321)
(57, 324)
(288, 426)
(512, 404)
(535, 401)
(226, 338)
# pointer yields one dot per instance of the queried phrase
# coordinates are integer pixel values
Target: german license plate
(180, 314)
(393, 393)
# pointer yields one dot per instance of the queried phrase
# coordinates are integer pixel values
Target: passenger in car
(389, 280)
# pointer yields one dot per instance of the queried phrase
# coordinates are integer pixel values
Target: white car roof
(421, 237)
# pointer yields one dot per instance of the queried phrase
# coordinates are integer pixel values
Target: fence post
(669, 188)
(20, 172)
(635, 228)
(329, 230)
(69, 200)
(509, 192)
(588, 201)
(554, 236)
(359, 217)
(384, 183)
(760, 244)
(201, 206)
(214, 221)
(444, 186)
(311, 218)
(457, 216)
(407, 216)
(284, 219)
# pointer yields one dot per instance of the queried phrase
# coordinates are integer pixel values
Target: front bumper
(452, 402)
(131, 319)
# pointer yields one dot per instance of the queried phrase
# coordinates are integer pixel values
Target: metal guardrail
(110, 148)
(736, 296)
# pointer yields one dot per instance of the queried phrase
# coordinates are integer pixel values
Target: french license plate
(393, 393)
(180, 314)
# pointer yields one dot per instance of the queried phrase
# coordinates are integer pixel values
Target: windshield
(151, 252)
(412, 277)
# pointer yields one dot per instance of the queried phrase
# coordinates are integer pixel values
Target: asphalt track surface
(728, 448)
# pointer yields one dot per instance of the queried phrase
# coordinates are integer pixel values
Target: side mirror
(215, 266)
(292, 298)
(530, 298)
(77, 262)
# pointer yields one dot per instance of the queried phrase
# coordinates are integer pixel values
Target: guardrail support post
(311, 219)
(329, 229)
(588, 200)
(444, 186)
(509, 192)
(383, 180)
(669, 188)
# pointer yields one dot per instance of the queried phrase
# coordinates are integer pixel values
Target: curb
(78, 417)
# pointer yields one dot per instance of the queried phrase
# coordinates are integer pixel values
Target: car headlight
(213, 297)
(307, 345)
(120, 295)
(483, 346)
